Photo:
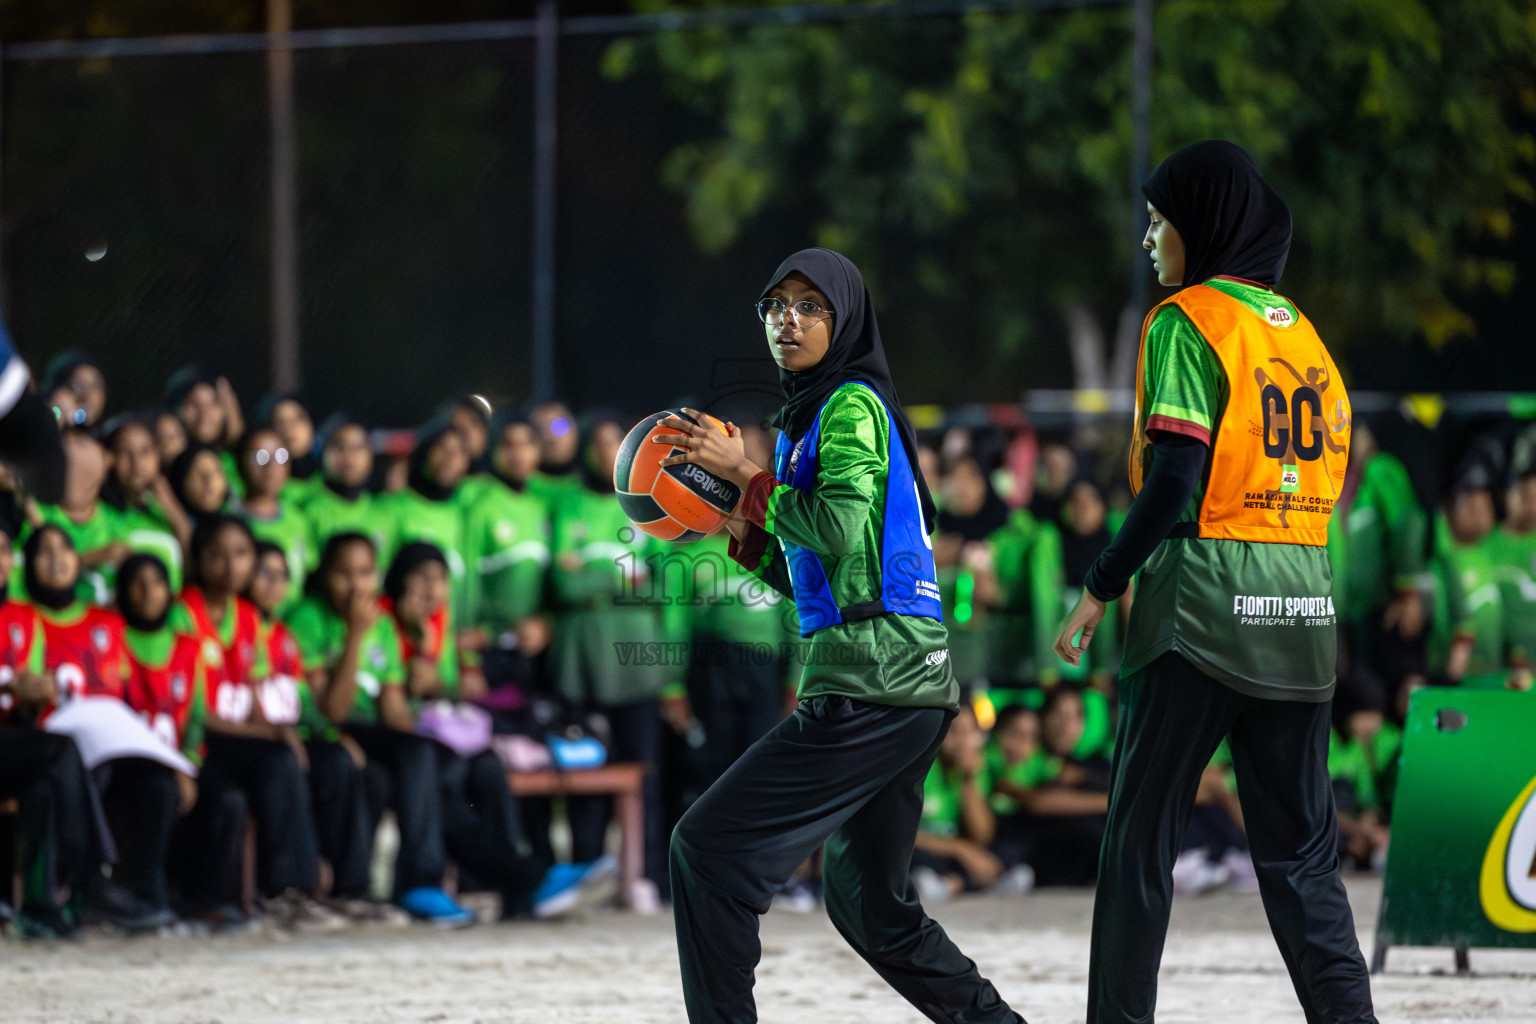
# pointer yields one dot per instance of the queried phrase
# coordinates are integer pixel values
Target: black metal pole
(1141, 138)
(286, 364)
(546, 70)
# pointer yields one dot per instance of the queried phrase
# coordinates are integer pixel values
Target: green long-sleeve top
(1384, 542)
(611, 644)
(412, 517)
(900, 660)
(328, 514)
(1514, 557)
(507, 551)
(723, 610)
(289, 530)
(1468, 606)
(1027, 558)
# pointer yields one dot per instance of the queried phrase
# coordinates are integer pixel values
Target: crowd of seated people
(321, 632)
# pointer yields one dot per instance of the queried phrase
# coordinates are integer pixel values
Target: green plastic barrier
(1461, 871)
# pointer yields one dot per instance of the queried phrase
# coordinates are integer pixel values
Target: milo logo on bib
(1278, 317)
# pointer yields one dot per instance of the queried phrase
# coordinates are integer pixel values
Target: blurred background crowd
(335, 622)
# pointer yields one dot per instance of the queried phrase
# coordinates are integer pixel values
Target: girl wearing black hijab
(850, 515)
(431, 508)
(1242, 435)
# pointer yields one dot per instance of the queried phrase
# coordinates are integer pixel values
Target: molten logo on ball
(683, 502)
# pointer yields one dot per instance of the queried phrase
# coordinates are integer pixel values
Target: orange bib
(1278, 453)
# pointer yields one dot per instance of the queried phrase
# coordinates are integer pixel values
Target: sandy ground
(1221, 965)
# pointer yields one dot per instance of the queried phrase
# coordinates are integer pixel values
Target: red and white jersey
(281, 692)
(166, 695)
(20, 642)
(84, 648)
(233, 667)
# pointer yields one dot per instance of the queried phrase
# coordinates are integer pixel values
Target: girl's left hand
(724, 455)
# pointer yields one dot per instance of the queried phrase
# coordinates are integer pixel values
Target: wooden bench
(625, 783)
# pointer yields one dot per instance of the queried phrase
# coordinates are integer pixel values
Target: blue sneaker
(567, 887)
(430, 904)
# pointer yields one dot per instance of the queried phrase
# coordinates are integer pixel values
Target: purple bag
(462, 728)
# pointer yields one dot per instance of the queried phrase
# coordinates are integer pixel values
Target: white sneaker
(1194, 874)
(796, 897)
(295, 911)
(930, 885)
(643, 897)
(1240, 870)
(1016, 881)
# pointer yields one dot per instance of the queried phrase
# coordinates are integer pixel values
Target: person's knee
(415, 756)
(486, 770)
(230, 806)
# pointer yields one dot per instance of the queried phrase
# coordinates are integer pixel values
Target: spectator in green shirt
(285, 413)
(559, 472)
(199, 481)
(430, 507)
(953, 847)
(971, 513)
(507, 535)
(469, 416)
(268, 507)
(337, 783)
(341, 503)
(149, 516)
(1466, 640)
(1026, 559)
(1044, 820)
(481, 830)
(602, 582)
(1513, 547)
(352, 665)
(91, 523)
(1086, 530)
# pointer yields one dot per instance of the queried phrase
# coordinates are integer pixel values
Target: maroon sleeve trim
(754, 503)
(1170, 425)
(749, 554)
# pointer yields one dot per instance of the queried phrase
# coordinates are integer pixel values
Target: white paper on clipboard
(105, 730)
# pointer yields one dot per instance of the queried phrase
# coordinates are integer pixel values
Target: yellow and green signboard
(1462, 867)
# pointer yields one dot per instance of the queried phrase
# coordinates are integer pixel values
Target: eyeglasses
(805, 313)
(262, 456)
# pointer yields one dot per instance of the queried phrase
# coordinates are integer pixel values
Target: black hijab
(500, 423)
(1231, 222)
(302, 465)
(420, 478)
(181, 467)
(1080, 550)
(981, 524)
(131, 567)
(56, 598)
(855, 353)
(410, 557)
(600, 483)
(334, 423)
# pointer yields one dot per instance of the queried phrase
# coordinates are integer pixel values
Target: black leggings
(848, 774)
(142, 801)
(635, 736)
(1172, 716)
(207, 845)
(268, 773)
(61, 832)
(481, 829)
(338, 791)
(402, 775)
